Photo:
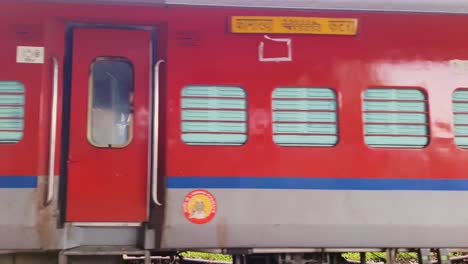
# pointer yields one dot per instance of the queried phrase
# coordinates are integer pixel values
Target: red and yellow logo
(199, 206)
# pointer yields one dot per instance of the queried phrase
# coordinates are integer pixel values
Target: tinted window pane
(11, 111)
(214, 115)
(460, 112)
(395, 118)
(304, 117)
(111, 102)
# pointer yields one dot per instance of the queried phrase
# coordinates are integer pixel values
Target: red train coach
(244, 127)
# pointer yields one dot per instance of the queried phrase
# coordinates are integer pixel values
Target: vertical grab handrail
(53, 133)
(154, 146)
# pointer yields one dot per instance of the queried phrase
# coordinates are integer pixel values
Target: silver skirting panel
(258, 218)
(27, 224)
(263, 218)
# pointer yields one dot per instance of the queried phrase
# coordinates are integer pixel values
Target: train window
(460, 111)
(395, 118)
(304, 117)
(214, 115)
(110, 114)
(11, 111)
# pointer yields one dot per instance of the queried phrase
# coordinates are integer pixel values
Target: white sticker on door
(28, 54)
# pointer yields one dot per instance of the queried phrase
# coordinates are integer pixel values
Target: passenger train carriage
(244, 127)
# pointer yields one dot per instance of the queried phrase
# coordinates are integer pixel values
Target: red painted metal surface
(22, 158)
(391, 50)
(108, 184)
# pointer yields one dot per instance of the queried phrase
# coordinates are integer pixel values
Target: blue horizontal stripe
(18, 181)
(317, 183)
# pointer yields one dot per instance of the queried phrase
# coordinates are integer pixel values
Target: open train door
(110, 126)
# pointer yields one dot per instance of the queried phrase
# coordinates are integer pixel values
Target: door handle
(53, 133)
(155, 136)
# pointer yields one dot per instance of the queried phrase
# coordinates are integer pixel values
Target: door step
(101, 254)
(106, 224)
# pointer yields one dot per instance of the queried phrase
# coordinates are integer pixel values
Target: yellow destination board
(294, 25)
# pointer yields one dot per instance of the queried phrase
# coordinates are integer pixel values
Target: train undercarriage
(122, 255)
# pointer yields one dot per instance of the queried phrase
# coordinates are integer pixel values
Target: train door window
(395, 118)
(214, 115)
(12, 101)
(304, 117)
(460, 112)
(110, 103)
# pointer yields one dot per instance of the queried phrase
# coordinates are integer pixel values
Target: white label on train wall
(27, 54)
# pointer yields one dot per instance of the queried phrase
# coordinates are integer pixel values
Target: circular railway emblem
(199, 206)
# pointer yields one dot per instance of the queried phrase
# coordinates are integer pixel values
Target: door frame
(65, 121)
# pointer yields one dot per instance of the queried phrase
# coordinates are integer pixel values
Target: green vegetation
(208, 256)
(403, 257)
(381, 256)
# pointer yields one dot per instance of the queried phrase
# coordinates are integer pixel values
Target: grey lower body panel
(26, 224)
(268, 218)
(257, 218)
